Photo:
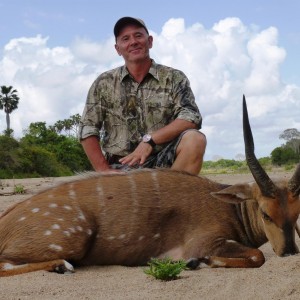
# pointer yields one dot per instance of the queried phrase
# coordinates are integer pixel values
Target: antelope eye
(266, 217)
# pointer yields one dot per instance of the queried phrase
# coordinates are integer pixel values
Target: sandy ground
(278, 278)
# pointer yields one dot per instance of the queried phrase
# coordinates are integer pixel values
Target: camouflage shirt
(123, 110)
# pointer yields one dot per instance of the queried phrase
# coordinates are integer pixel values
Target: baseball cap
(121, 23)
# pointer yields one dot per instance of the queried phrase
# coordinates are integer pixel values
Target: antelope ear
(235, 194)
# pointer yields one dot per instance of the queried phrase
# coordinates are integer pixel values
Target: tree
(68, 125)
(9, 101)
(240, 157)
(292, 136)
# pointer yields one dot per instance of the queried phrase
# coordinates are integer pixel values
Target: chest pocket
(159, 110)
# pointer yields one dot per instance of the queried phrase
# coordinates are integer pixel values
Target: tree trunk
(7, 122)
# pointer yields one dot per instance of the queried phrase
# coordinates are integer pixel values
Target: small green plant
(165, 269)
(19, 189)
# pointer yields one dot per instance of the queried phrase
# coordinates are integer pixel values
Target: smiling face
(133, 43)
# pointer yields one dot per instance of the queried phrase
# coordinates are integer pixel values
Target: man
(146, 112)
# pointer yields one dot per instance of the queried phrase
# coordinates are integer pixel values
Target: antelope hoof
(193, 263)
(64, 268)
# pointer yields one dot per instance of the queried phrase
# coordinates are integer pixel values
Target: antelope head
(279, 202)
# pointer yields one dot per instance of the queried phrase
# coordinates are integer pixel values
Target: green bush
(224, 166)
(35, 159)
(284, 155)
(70, 153)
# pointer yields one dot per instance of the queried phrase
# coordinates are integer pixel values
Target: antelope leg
(58, 266)
(297, 230)
(232, 255)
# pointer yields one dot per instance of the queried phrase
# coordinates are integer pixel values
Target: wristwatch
(147, 138)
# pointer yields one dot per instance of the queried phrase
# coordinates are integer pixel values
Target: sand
(278, 278)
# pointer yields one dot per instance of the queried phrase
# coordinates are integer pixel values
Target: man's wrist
(147, 138)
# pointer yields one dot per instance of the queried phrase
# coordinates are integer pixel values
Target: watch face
(146, 138)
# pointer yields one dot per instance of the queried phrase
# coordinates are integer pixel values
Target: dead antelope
(127, 219)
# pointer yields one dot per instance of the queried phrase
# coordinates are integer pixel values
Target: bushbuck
(129, 218)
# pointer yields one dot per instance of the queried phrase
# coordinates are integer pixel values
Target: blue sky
(52, 50)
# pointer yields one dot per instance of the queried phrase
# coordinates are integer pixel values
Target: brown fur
(128, 218)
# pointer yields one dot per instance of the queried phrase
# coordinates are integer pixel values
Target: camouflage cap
(121, 23)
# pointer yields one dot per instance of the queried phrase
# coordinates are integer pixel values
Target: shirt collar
(153, 71)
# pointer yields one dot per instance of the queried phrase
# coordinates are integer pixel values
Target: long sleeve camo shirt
(123, 110)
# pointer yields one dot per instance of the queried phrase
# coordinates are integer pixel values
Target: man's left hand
(138, 156)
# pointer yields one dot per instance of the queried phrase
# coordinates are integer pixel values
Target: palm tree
(9, 101)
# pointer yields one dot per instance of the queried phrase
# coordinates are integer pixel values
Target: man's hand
(138, 156)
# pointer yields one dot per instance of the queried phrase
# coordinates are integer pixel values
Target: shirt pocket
(159, 111)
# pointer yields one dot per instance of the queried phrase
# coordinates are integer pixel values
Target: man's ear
(150, 41)
(117, 49)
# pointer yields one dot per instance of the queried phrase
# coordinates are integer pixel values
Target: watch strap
(152, 143)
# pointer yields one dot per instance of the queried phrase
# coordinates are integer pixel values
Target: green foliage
(224, 166)
(8, 143)
(8, 155)
(265, 161)
(19, 189)
(165, 269)
(70, 153)
(36, 159)
(284, 155)
(41, 152)
(69, 126)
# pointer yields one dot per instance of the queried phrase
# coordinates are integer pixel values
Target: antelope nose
(290, 252)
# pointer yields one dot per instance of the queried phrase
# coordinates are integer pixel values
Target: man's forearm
(171, 131)
(94, 153)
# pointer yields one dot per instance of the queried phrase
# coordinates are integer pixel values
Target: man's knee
(194, 139)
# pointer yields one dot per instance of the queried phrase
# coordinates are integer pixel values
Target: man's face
(133, 43)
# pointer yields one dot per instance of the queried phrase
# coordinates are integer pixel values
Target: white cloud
(223, 63)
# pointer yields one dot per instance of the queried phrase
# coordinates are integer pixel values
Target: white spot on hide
(55, 247)
(79, 228)
(72, 194)
(141, 238)
(67, 207)
(35, 210)
(156, 236)
(67, 233)
(48, 232)
(55, 226)
(46, 213)
(52, 205)
(81, 216)
(122, 236)
(89, 232)
(22, 219)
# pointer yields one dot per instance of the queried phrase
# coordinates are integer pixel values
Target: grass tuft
(165, 269)
(19, 189)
